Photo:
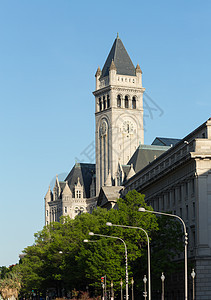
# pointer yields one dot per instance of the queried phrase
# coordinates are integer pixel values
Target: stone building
(174, 175)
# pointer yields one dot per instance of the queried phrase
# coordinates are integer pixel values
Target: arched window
(108, 101)
(126, 102)
(118, 101)
(100, 104)
(134, 103)
(104, 102)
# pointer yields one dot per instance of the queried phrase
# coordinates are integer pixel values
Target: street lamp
(126, 271)
(162, 279)
(112, 290)
(148, 252)
(145, 286)
(121, 283)
(193, 274)
(142, 209)
(132, 283)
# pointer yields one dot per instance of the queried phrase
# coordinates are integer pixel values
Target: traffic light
(102, 280)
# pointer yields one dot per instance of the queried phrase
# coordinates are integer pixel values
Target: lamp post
(121, 283)
(193, 274)
(126, 271)
(145, 286)
(148, 252)
(162, 279)
(112, 290)
(142, 209)
(132, 283)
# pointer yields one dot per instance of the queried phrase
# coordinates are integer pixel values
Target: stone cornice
(118, 89)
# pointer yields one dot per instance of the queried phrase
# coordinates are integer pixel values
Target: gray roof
(84, 172)
(107, 195)
(145, 154)
(121, 60)
(160, 141)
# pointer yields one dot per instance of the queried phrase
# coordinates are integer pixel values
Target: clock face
(128, 127)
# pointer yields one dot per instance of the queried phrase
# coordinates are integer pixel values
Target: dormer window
(78, 194)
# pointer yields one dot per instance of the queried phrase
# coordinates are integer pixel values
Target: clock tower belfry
(118, 114)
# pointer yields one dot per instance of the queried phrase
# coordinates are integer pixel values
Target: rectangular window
(186, 212)
(47, 213)
(193, 186)
(194, 210)
(174, 196)
(65, 209)
(186, 189)
(180, 193)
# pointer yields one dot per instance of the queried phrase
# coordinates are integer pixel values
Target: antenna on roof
(117, 35)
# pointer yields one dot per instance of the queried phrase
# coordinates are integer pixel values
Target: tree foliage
(59, 257)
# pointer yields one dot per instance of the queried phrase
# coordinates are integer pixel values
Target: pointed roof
(83, 171)
(108, 180)
(131, 172)
(67, 190)
(121, 59)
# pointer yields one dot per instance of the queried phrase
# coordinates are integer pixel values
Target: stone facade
(72, 196)
(180, 181)
(174, 175)
(118, 114)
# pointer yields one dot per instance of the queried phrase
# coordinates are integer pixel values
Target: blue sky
(49, 53)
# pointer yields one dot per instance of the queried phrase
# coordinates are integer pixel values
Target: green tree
(60, 259)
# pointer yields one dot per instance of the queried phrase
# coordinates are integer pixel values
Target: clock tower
(118, 114)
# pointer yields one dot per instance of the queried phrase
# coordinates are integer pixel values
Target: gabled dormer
(66, 194)
(78, 189)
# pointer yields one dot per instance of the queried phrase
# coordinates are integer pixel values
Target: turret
(139, 74)
(112, 73)
(97, 76)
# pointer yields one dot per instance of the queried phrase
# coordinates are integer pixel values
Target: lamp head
(193, 274)
(91, 233)
(109, 224)
(145, 279)
(142, 209)
(86, 241)
(162, 277)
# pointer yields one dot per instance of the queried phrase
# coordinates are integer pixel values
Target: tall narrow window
(100, 104)
(126, 101)
(194, 210)
(104, 102)
(186, 212)
(134, 103)
(108, 101)
(118, 101)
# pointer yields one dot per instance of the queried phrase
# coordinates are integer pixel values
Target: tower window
(100, 104)
(108, 101)
(104, 102)
(126, 101)
(118, 101)
(134, 103)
